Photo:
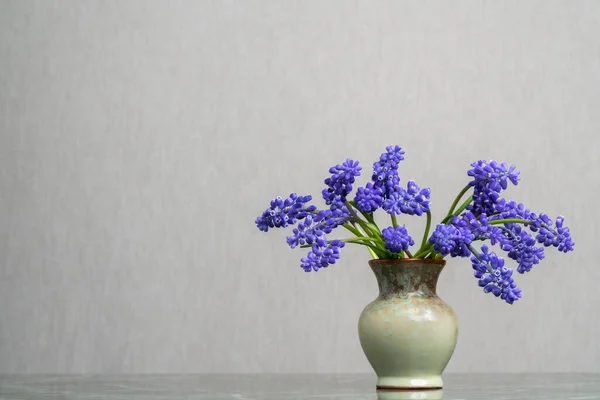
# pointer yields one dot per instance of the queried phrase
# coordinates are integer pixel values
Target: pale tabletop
(293, 387)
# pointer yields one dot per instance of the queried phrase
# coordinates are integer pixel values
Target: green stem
(510, 220)
(356, 219)
(351, 209)
(361, 240)
(372, 233)
(352, 229)
(373, 254)
(464, 206)
(457, 212)
(427, 227)
(358, 233)
(358, 239)
(368, 217)
(421, 253)
(460, 195)
(408, 254)
(394, 221)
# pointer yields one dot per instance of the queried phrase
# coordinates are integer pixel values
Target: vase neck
(398, 278)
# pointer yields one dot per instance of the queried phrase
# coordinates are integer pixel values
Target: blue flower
(385, 171)
(489, 179)
(455, 238)
(321, 255)
(412, 201)
(339, 185)
(494, 277)
(505, 209)
(486, 231)
(493, 175)
(548, 236)
(338, 205)
(396, 239)
(368, 198)
(445, 239)
(314, 229)
(392, 155)
(286, 212)
(521, 247)
(468, 225)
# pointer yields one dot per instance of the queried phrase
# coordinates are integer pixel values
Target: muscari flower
(284, 212)
(412, 201)
(368, 198)
(493, 175)
(396, 239)
(521, 247)
(558, 236)
(339, 185)
(505, 209)
(338, 204)
(494, 277)
(321, 256)
(385, 171)
(455, 238)
(315, 228)
(446, 238)
(313, 231)
(489, 179)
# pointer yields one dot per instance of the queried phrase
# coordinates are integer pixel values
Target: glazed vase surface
(408, 333)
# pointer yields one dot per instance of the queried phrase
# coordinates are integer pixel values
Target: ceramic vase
(408, 333)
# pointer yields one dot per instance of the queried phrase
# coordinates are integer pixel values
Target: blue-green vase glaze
(408, 333)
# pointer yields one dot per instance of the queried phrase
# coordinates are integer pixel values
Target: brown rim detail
(406, 261)
(406, 388)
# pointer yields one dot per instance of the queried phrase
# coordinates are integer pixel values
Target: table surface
(293, 387)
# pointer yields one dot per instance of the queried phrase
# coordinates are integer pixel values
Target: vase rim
(407, 261)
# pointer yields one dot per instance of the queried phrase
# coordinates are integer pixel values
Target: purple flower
(396, 239)
(489, 179)
(521, 247)
(339, 185)
(392, 155)
(468, 225)
(492, 175)
(548, 236)
(519, 244)
(338, 204)
(412, 201)
(314, 229)
(504, 209)
(286, 212)
(368, 198)
(385, 171)
(455, 238)
(321, 255)
(445, 239)
(494, 277)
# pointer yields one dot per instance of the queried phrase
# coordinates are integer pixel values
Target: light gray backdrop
(140, 139)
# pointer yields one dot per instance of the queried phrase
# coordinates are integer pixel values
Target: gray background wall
(140, 139)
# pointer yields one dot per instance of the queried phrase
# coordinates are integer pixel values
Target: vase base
(407, 388)
(395, 383)
(429, 394)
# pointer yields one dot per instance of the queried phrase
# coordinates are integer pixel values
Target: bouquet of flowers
(483, 216)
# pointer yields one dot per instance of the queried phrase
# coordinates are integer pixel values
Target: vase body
(408, 333)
